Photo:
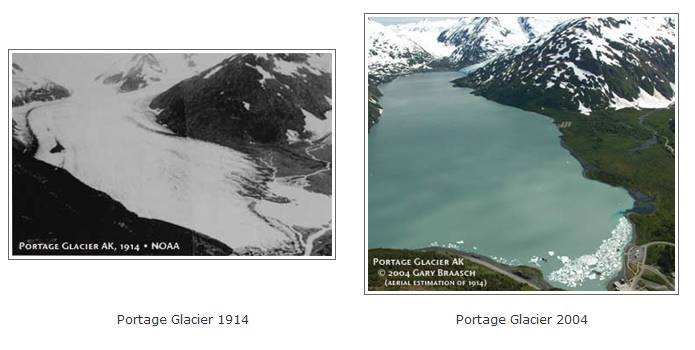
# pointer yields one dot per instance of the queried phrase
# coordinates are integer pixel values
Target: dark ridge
(214, 108)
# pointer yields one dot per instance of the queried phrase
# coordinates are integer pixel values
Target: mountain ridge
(586, 64)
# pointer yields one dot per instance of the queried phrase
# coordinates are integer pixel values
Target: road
(643, 266)
(494, 267)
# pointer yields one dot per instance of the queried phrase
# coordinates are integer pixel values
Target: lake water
(452, 169)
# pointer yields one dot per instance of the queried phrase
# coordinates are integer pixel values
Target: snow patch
(584, 109)
(265, 75)
(212, 71)
(317, 127)
(292, 136)
(643, 100)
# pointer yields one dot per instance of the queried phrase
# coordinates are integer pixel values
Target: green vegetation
(620, 150)
(653, 277)
(493, 280)
(662, 256)
(664, 125)
(628, 148)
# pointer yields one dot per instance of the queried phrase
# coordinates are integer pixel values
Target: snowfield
(112, 143)
(426, 32)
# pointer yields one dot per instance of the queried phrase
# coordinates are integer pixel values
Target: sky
(78, 70)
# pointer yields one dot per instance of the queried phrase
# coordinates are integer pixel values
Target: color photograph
(516, 153)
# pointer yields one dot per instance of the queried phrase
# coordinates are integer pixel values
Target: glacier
(112, 143)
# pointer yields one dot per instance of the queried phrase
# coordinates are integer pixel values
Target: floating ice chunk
(603, 264)
(551, 253)
(588, 260)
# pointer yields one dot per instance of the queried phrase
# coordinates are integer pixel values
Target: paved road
(496, 268)
(643, 266)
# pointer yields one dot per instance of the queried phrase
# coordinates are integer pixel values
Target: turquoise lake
(451, 169)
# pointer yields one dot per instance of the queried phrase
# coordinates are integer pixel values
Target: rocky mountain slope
(391, 54)
(374, 108)
(586, 64)
(266, 98)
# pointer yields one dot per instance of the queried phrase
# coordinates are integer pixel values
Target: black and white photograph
(169, 153)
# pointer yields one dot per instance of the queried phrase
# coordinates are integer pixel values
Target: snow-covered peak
(537, 26)
(481, 38)
(144, 69)
(136, 72)
(501, 30)
(28, 87)
(391, 53)
(588, 64)
(425, 34)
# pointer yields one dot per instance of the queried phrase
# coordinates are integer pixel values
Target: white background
(300, 304)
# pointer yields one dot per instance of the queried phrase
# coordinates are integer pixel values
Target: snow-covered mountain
(537, 26)
(253, 98)
(586, 64)
(426, 33)
(144, 69)
(133, 74)
(478, 39)
(453, 43)
(27, 87)
(391, 54)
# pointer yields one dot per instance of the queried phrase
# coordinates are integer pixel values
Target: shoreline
(540, 283)
(640, 199)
